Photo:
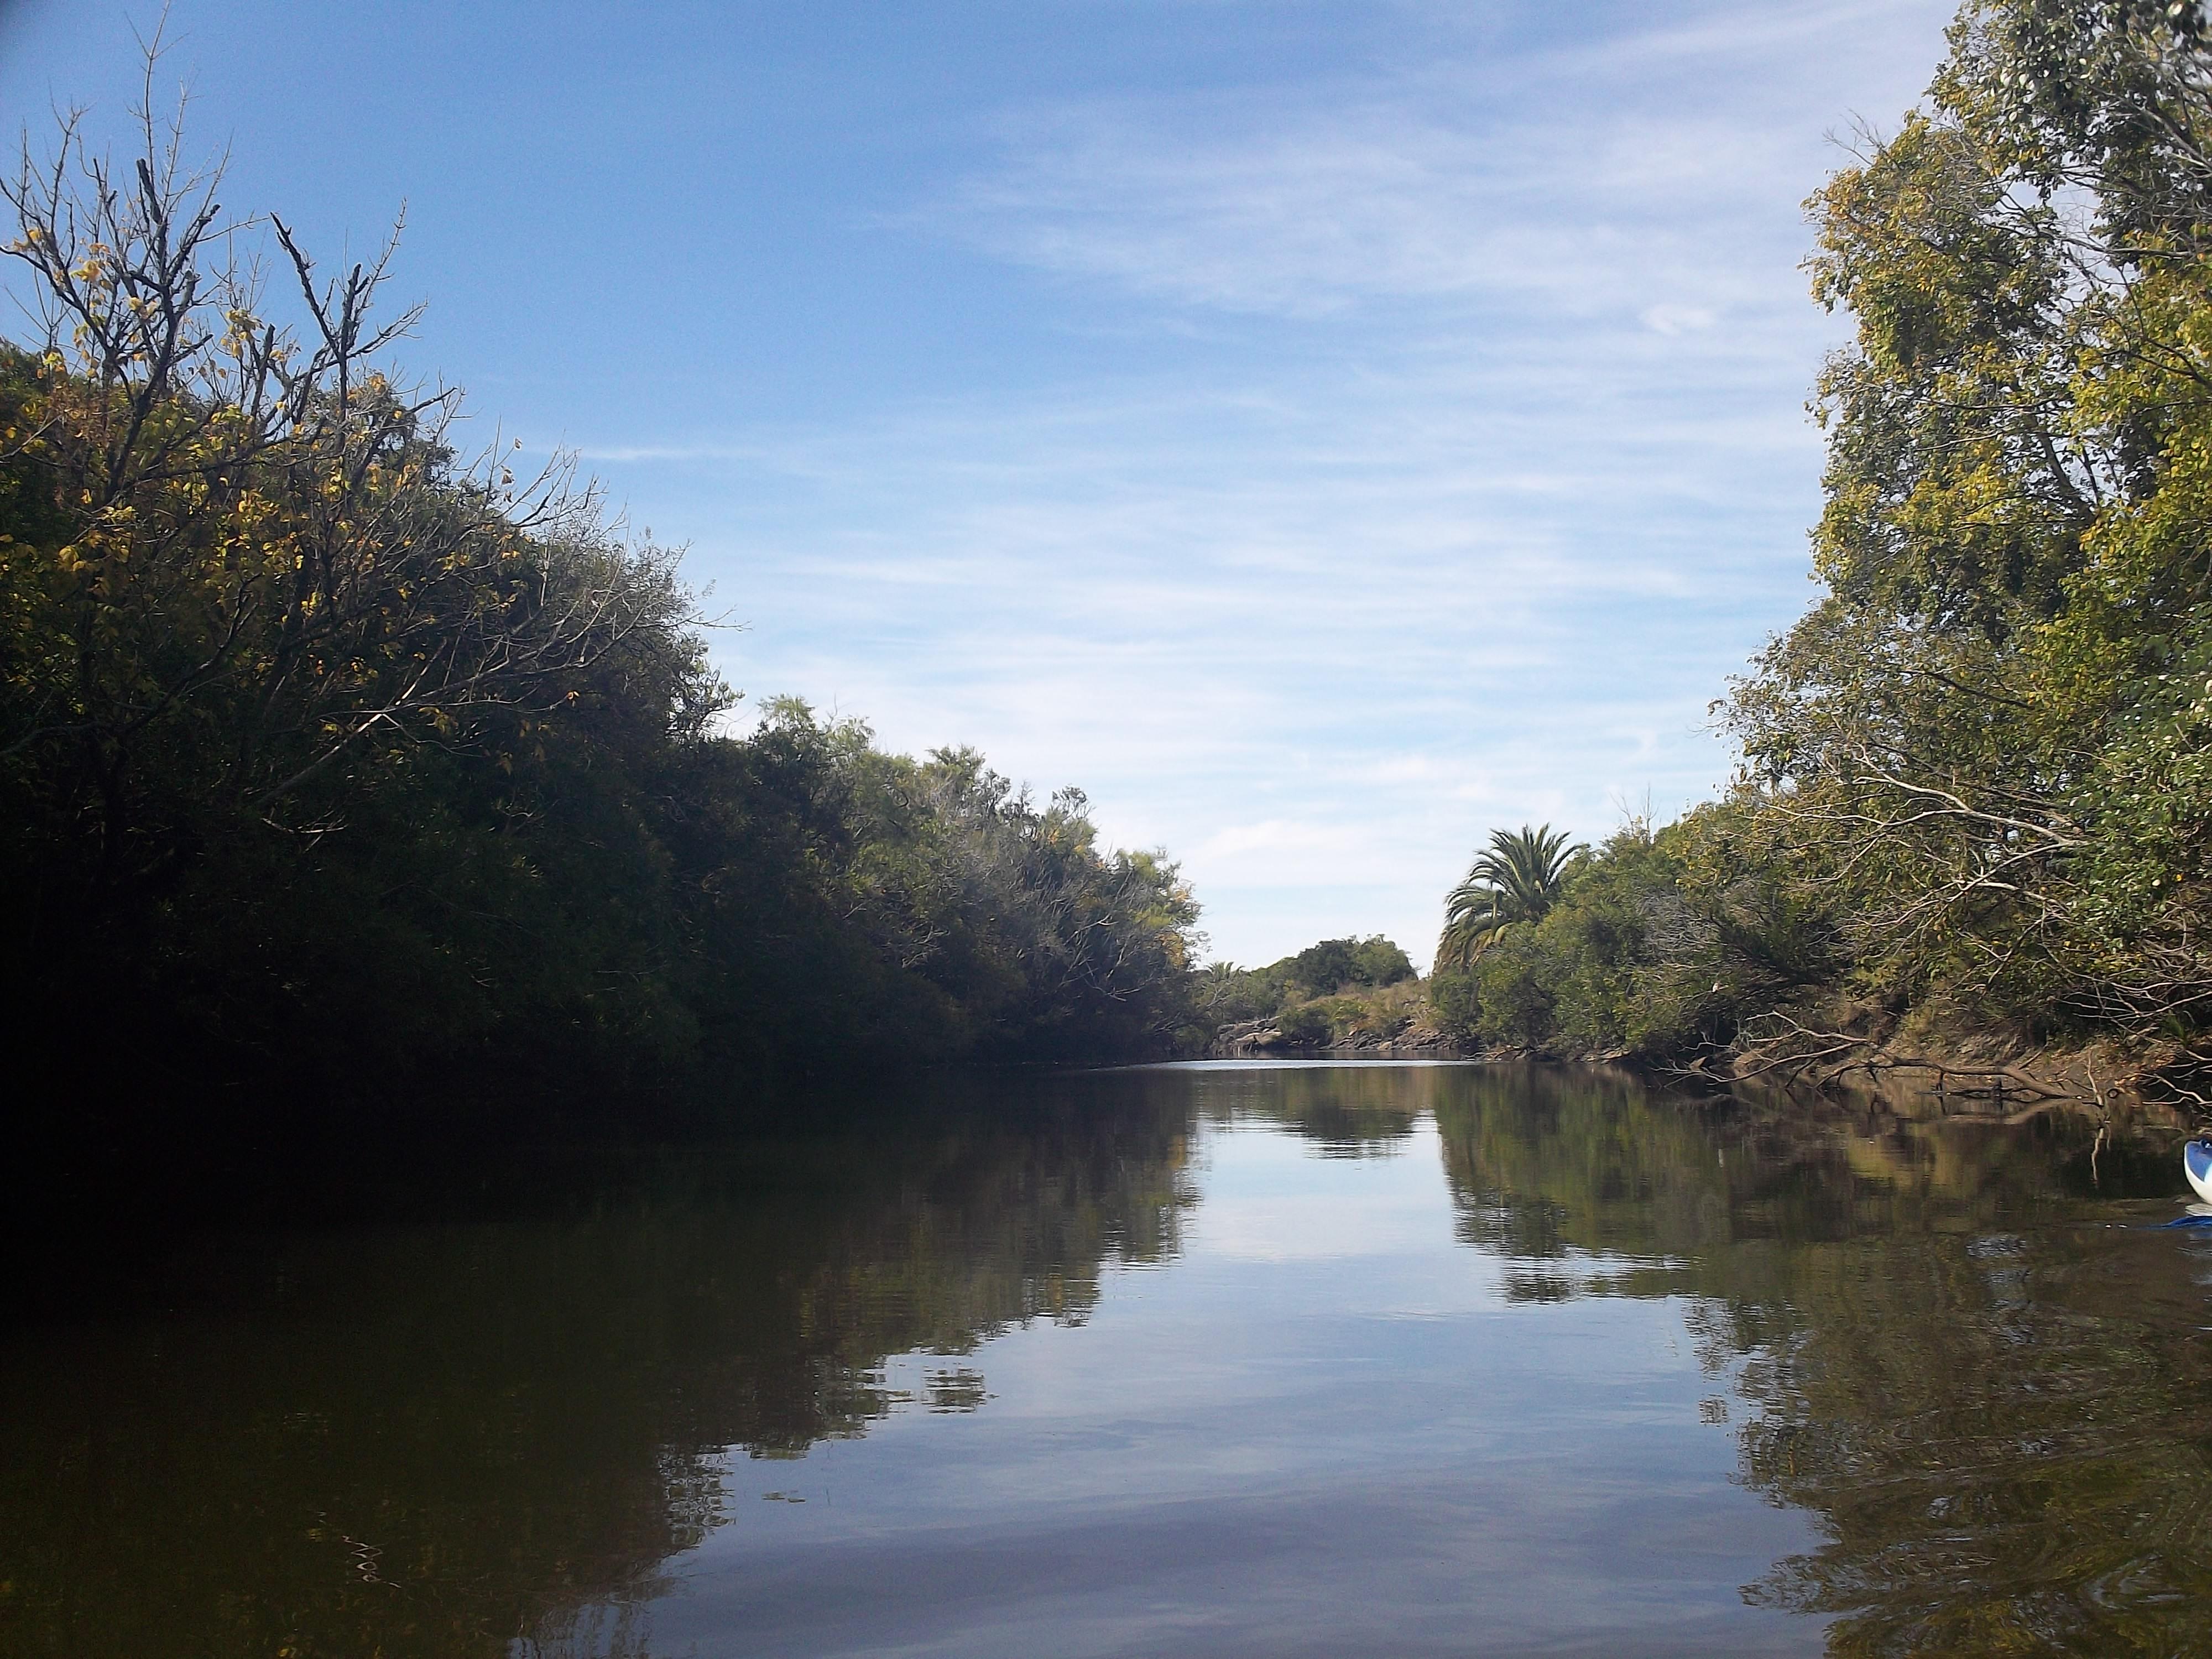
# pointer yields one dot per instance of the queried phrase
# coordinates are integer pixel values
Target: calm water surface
(1205, 1360)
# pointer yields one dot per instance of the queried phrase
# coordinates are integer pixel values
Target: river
(1262, 1359)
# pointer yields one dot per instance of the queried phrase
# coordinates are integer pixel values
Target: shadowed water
(1251, 1360)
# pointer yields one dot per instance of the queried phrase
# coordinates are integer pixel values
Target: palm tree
(1517, 880)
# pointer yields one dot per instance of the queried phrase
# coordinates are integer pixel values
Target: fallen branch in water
(1802, 1057)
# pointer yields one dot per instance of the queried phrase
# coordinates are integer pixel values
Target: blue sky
(1323, 432)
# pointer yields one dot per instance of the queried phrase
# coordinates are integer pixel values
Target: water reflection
(1341, 1111)
(433, 1439)
(1102, 1407)
(1962, 1349)
(2005, 1437)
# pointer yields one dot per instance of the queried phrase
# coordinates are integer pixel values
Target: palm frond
(1517, 879)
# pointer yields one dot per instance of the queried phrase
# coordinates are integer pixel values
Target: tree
(1518, 880)
(331, 762)
(1989, 748)
(1378, 961)
(253, 557)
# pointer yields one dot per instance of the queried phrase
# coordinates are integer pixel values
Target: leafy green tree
(313, 736)
(1517, 879)
(1377, 961)
(1661, 944)
(1320, 969)
(1983, 750)
(1978, 774)
(338, 771)
(1336, 963)
(1302, 992)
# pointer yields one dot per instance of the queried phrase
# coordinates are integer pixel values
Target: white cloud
(1671, 319)
(1446, 454)
(1616, 177)
(1276, 834)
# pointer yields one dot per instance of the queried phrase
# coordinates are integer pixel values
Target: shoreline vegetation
(358, 788)
(369, 806)
(1975, 811)
(1969, 842)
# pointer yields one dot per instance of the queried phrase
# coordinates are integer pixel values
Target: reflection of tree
(1541, 1162)
(1346, 1111)
(1544, 1162)
(2000, 1420)
(441, 1438)
(444, 1438)
(2006, 1440)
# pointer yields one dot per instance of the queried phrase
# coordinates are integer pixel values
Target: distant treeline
(1977, 784)
(1338, 990)
(1228, 993)
(335, 767)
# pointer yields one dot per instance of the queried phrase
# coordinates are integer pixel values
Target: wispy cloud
(1439, 452)
(1585, 178)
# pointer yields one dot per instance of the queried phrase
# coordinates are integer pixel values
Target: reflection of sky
(1320, 1429)
(1273, 1201)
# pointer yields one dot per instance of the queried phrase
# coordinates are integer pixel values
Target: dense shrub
(336, 770)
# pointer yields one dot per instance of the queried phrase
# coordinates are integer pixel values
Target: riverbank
(1844, 1047)
(1261, 1039)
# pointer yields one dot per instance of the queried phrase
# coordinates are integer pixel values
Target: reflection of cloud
(1295, 1230)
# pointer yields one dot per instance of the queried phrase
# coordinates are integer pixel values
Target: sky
(1324, 432)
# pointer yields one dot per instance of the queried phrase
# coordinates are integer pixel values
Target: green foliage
(1661, 943)
(1228, 994)
(1567, 982)
(1976, 772)
(1377, 961)
(1517, 881)
(1516, 985)
(332, 765)
(1985, 749)
(1453, 1007)
(1358, 991)
(1335, 963)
